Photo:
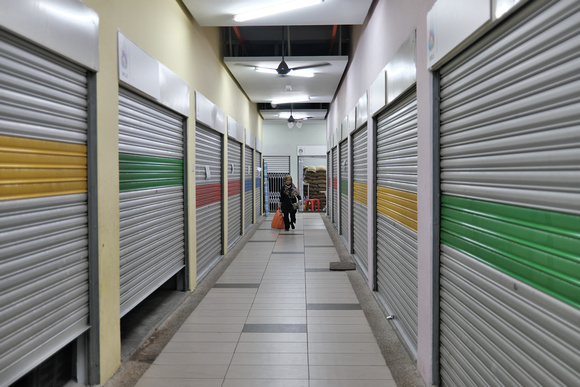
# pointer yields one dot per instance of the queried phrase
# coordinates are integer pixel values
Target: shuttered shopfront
(234, 191)
(344, 199)
(249, 192)
(510, 203)
(396, 249)
(152, 206)
(329, 184)
(44, 205)
(208, 202)
(359, 203)
(278, 169)
(258, 186)
(335, 186)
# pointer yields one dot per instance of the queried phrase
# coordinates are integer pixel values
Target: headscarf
(290, 190)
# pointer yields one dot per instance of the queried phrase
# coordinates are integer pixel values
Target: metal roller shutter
(44, 237)
(510, 203)
(151, 207)
(344, 199)
(396, 275)
(258, 186)
(278, 169)
(249, 192)
(335, 186)
(359, 205)
(329, 184)
(208, 202)
(234, 191)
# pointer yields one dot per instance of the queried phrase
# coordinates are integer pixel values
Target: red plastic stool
(308, 205)
(315, 203)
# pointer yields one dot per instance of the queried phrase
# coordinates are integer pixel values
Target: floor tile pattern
(277, 317)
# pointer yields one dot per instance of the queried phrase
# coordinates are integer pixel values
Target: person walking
(289, 201)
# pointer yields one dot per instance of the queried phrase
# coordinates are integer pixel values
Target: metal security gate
(151, 202)
(344, 199)
(258, 186)
(359, 204)
(335, 186)
(249, 192)
(234, 191)
(510, 203)
(44, 206)
(278, 169)
(396, 224)
(208, 202)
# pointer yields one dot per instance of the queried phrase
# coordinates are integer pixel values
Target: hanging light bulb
(298, 124)
(290, 125)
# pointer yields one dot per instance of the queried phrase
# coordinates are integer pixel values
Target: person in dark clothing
(289, 201)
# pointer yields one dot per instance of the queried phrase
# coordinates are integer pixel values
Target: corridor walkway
(276, 317)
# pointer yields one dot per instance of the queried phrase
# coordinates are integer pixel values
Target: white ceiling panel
(220, 13)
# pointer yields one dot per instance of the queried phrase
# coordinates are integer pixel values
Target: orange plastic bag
(278, 220)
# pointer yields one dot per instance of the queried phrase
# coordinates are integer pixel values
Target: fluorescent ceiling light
(274, 9)
(264, 70)
(291, 99)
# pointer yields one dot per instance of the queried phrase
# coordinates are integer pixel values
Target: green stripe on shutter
(344, 187)
(538, 247)
(138, 172)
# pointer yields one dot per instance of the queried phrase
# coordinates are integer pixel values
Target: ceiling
(315, 35)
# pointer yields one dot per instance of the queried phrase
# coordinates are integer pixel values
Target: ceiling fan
(291, 120)
(283, 68)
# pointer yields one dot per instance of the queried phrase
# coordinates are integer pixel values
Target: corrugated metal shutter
(344, 199)
(278, 164)
(335, 186)
(278, 169)
(249, 192)
(44, 264)
(208, 202)
(510, 203)
(359, 205)
(151, 208)
(258, 186)
(234, 191)
(329, 184)
(397, 215)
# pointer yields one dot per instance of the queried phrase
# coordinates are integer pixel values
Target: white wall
(374, 45)
(279, 140)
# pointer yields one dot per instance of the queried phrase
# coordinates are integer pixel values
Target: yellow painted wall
(166, 31)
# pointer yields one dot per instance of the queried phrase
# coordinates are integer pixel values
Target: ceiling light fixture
(275, 9)
(290, 125)
(291, 99)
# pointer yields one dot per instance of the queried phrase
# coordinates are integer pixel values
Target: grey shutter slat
(359, 208)
(208, 158)
(258, 185)
(514, 126)
(235, 176)
(147, 129)
(329, 184)
(335, 186)
(152, 220)
(278, 164)
(343, 189)
(397, 275)
(249, 188)
(43, 240)
(509, 138)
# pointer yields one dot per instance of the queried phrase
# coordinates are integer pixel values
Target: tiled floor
(276, 317)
